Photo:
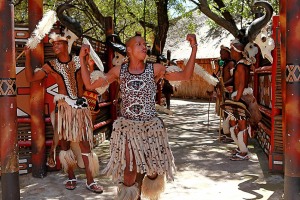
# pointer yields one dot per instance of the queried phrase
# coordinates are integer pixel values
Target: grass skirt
(74, 124)
(148, 144)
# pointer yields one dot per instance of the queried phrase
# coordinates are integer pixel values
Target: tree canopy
(150, 17)
(230, 13)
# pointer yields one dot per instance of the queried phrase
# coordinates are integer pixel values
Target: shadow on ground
(204, 170)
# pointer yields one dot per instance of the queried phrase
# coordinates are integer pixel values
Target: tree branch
(96, 13)
(225, 13)
(227, 23)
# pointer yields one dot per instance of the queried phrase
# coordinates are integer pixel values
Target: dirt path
(204, 170)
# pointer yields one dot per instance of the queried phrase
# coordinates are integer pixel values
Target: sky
(188, 5)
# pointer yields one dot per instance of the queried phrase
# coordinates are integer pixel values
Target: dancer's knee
(85, 146)
(129, 177)
(64, 145)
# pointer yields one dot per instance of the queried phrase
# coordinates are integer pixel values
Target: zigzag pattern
(292, 73)
(8, 87)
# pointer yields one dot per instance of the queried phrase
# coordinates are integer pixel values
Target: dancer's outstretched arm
(108, 78)
(187, 72)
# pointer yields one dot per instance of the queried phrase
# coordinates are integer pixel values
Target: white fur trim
(70, 102)
(77, 152)
(54, 37)
(58, 97)
(67, 160)
(241, 143)
(233, 136)
(93, 163)
(95, 75)
(245, 92)
(226, 125)
(173, 68)
(127, 193)
(152, 189)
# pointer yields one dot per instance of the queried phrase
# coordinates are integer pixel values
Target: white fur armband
(41, 69)
(173, 68)
(95, 75)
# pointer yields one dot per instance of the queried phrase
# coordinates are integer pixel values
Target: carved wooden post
(37, 93)
(8, 105)
(109, 30)
(290, 56)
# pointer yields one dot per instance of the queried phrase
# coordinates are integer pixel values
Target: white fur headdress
(54, 37)
(67, 35)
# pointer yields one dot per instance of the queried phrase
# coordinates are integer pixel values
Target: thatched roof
(209, 40)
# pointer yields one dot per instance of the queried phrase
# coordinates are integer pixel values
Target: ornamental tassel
(204, 74)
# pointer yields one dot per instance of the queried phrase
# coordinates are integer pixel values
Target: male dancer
(242, 96)
(227, 80)
(139, 142)
(73, 118)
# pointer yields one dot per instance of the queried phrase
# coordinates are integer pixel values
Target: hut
(209, 43)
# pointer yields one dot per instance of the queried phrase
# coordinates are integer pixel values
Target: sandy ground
(204, 170)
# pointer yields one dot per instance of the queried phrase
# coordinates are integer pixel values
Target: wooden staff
(20, 55)
(222, 91)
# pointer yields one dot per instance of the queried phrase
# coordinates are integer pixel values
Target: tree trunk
(162, 28)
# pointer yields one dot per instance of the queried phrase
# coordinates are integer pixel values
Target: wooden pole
(290, 56)
(8, 105)
(109, 30)
(37, 93)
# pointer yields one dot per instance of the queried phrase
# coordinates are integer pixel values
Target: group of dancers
(141, 159)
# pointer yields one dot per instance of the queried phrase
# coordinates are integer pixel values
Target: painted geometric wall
(265, 91)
